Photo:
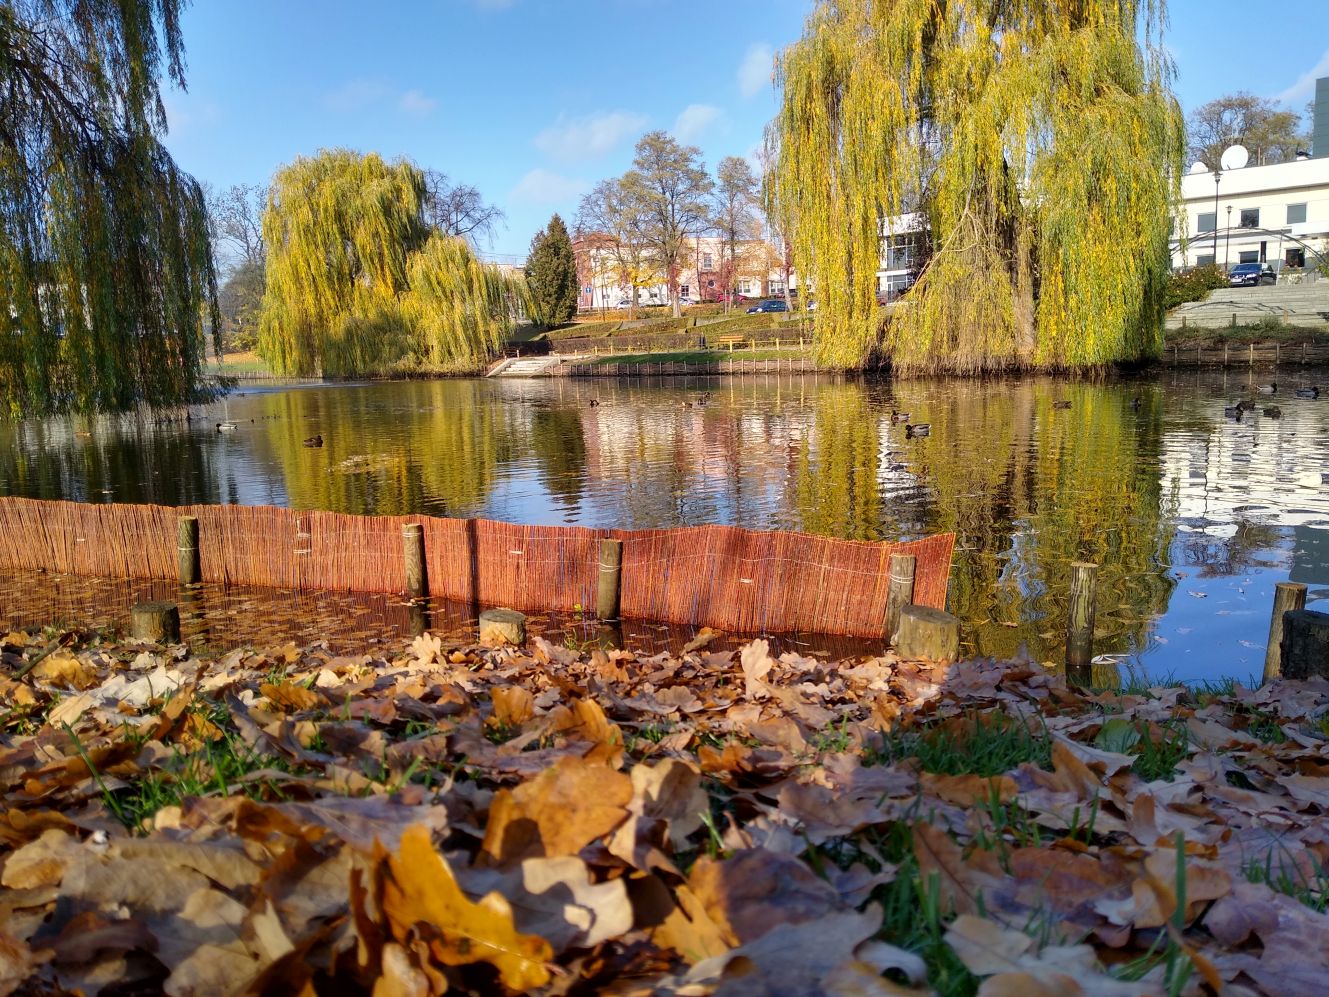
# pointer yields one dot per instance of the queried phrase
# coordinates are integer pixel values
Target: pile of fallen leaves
(443, 817)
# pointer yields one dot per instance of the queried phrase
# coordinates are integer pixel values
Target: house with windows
(1276, 214)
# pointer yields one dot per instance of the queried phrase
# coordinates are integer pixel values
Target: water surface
(1192, 516)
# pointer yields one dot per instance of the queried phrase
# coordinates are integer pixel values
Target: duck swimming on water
(225, 427)
(1308, 392)
(918, 429)
(314, 441)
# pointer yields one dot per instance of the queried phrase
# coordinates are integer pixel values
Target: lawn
(239, 363)
(703, 356)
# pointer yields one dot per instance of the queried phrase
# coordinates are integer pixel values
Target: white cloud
(541, 186)
(416, 103)
(590, 136)
(355, 95)
(754, 72)
(1304, 89)
(693, 121)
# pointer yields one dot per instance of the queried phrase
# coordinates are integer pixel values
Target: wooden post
(900, 592)
(158, 622)
(1288, 597)
(609, 582)
(1305, 650)
(187, 542)
(413, 552)
(927, 633)
(1234, 320)
(1251, 356)
(1080, 621)
(502, 626)
(1225, 354)
(419, 619)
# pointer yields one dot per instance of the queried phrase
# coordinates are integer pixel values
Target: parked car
(774, 305)
(1251, 275)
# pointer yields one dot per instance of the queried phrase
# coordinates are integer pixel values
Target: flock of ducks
(1235, 412)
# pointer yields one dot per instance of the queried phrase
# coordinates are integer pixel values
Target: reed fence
(778, 365)
(719, 576)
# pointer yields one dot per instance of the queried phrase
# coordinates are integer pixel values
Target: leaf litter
(438, 817)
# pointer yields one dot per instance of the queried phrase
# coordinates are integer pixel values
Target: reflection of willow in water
(1031, 489)
(455, 441)
(835, 466)
(127, 458)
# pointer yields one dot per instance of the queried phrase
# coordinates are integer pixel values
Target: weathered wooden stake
(191, 573)
(901, 590)
(927, 633)
(419, 619)
(502, 626)
(158, 622)
(611, 571)
(1305, 645)
(1080, 620)
(413, 551)
(1288, 596)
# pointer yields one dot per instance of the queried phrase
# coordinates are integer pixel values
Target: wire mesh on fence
(721, 576)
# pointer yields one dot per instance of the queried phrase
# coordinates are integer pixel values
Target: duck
(1135, 403)
(1245, 405)
(315, 441)
(1065, 404)
(1308, 392)
(1268, 389)
(1233, 412)
(686, 405)
(917, 429)
(595, 402)
(1273, 413)
(899, 416)
(225, 427)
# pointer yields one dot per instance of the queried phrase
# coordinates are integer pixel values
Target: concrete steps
(1294, 304)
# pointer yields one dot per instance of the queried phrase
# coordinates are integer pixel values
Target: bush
(1193, 284)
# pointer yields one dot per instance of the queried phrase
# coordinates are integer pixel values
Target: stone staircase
(1293, 304)
(528, 366)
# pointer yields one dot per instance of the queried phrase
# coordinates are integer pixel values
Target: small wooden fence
(721, 576)
(1273, 355)
(772, 366)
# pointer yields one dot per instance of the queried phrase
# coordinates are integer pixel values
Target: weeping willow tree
(1038, 140)
(104, 255)
(459, 308)
(339, 227)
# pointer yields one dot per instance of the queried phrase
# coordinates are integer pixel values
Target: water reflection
(1191, 516)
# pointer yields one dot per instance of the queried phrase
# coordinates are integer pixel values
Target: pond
(1192, 516)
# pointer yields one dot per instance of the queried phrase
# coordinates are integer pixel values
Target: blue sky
(533, 101)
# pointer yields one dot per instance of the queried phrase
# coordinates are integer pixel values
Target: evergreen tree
(551, 275)
(1040, 142)
(104, 255)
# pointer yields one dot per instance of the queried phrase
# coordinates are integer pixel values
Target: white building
(1275, 214)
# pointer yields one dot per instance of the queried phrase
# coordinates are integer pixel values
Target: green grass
(983, 744)
(1281, 874)
(239, 363)
(1269, 331)
(703, 356)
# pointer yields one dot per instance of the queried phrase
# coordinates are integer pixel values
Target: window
(1204, 222)
(745, 286)
(900, 253)
(1250, 256)
(777, 287)
(1250, 218)
(1295, 258)
(1296, 213)
(707, 261)
(683, 291)
(1205, 261)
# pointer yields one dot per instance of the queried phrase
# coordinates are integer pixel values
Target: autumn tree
(551, 275)
(1270, 134)
(458, 208)
(1052, 149)
(612, 223)
(670, 186)
(104, 254)
(339, 227)
(236, 219)
(734, 215)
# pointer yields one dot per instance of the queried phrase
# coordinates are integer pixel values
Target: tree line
(642, 229)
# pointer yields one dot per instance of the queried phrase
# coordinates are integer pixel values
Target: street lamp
(1227, 241)
(1218, 175)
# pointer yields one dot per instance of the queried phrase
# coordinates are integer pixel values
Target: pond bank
(803, 824)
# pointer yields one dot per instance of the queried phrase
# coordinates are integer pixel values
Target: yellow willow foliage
(1038, 140)
(458, 307)
(339, 227)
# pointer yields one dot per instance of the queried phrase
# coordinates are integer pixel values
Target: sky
(534, 101)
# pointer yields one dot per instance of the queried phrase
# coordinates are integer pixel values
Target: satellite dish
(1198, 167)
(1234, 157)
